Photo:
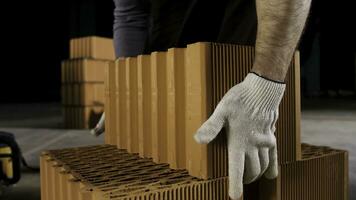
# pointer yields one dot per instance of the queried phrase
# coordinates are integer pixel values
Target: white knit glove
(100, 126)
(248, 111)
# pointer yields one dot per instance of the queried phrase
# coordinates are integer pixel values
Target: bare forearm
(280, 25)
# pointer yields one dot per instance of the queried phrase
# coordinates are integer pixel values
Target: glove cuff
(261, 94)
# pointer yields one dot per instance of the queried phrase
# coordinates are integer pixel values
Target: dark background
(35, 38)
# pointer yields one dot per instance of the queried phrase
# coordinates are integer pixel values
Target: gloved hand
(100, 126)
(248, 111)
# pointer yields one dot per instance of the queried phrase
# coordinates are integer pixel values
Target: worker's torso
(175, 23)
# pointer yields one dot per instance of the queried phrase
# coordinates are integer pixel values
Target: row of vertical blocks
(155, 103)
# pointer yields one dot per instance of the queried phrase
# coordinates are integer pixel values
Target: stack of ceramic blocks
(83, 80)
(155, 103)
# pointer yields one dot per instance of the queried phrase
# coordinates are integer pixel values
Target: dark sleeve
(131, 20)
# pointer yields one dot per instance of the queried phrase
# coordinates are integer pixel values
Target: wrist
(268, 79)
(274, 74)
(259, 93)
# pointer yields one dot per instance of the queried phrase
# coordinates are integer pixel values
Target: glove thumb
(211, 128)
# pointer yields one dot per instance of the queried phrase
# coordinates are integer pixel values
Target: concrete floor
(38, 127)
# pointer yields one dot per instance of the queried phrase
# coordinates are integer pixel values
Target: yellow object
(6, 163)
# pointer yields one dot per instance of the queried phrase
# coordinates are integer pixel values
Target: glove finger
(101, 123)
(272, 170)
(96, 131)
(211, 128)
(252, 166)
(100, 127)
(236, 169)
(264, 159)
(265, 140)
